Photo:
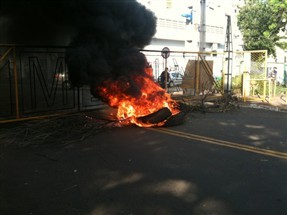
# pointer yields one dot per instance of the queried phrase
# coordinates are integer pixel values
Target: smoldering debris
(64, 130)
(156, 117)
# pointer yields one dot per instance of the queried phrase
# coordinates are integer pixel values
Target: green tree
(263, 24)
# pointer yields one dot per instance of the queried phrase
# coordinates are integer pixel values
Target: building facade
(183, 25)
(192, 26)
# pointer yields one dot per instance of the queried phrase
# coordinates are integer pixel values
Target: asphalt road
(232, 163)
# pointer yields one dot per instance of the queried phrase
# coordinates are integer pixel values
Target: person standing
(164, 78)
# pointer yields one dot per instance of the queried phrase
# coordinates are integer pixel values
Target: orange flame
(150, 99)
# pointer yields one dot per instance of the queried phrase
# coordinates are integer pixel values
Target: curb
(264, 107)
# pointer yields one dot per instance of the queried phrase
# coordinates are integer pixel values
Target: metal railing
(34, 80)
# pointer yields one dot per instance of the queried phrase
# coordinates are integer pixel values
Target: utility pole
(202, 35)
(229, 51)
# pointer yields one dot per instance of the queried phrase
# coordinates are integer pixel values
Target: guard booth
(198, 77)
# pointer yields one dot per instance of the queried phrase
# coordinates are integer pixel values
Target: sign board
(165, 52)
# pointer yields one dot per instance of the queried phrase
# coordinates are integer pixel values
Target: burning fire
(150, 99)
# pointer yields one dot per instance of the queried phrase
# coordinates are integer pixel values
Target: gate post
(245, 84)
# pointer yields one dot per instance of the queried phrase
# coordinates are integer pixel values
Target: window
(168, 4)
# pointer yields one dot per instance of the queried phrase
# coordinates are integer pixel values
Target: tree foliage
(263, 24)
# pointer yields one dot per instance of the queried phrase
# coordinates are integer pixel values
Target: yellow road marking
(222, 143)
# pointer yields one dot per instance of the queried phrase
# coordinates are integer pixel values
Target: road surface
(232, 163)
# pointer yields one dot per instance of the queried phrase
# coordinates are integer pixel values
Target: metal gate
(250, 75)
(34, 82)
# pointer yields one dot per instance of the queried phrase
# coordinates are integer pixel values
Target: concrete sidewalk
(278, 103)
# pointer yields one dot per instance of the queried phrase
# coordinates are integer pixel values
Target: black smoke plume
(108, 42)
(104, 36)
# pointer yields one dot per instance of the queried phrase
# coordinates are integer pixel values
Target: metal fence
(207, 72)
(34, 80)
(202, 72)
